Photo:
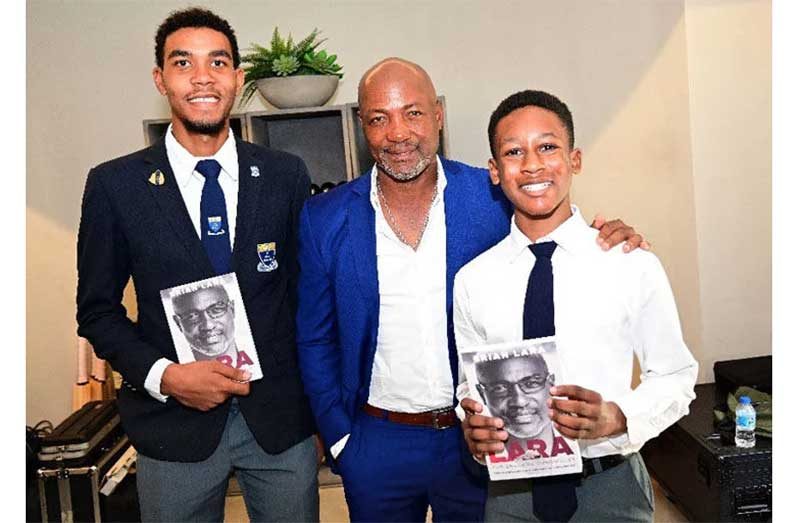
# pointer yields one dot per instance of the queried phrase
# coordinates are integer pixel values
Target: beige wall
(636, 82)
(729, 70)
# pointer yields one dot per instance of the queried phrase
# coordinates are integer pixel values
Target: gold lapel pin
(157, 178)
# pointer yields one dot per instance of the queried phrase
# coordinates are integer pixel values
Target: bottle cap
(745, 400)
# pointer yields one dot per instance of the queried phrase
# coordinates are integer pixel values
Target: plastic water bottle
(744, 436)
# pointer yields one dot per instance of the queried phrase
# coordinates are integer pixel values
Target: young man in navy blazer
(142, 215)
(374, 328)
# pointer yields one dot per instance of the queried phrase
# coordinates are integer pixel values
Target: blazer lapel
(249, 189)
(455, 200)
(173, 208)
(456, 208)
(362, 235)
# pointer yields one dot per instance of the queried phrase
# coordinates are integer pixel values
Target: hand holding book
(482, 433)
(507, 413)
(581, 413)
(203, 385)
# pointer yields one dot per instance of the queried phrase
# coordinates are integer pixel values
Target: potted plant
(291, 75)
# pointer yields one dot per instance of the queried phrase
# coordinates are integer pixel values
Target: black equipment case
(756, 373)
(74, 460)
(707, 479)
(79, 437)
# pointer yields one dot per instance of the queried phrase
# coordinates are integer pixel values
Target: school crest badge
(267, 254)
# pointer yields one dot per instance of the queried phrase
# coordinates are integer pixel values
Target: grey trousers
(276, 487)
(622, 493)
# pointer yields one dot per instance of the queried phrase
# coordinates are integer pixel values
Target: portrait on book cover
(513, 382)
(208, 321)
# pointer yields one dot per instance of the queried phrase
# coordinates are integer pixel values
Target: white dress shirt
(607, 307)
(190, 183)
(411, 371)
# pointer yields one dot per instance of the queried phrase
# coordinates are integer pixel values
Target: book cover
(208, 321)
(513, 382)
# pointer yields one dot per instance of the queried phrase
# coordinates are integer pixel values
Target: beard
(211, 351)
(406, 174)
(527, 428)
(526, 431)
(207, 128)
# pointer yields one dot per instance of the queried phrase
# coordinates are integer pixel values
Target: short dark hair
(528, 98)
(194, 17)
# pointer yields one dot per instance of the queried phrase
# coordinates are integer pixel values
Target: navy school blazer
(131, 227)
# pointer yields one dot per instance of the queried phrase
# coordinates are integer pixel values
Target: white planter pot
(298, 91)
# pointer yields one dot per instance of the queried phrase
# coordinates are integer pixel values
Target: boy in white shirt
(602, 307)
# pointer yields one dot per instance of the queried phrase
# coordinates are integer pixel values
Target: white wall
(626, 68)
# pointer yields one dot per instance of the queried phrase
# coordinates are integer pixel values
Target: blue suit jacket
(130, 227)
(338, 308)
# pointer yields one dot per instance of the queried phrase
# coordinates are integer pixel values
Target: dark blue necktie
(553, 497)
(213, 218)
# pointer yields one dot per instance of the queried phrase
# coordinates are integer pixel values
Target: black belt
(592, 466)
(437, 419)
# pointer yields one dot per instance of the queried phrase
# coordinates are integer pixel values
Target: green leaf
(249, 90)
(285, 65)
(308, 43)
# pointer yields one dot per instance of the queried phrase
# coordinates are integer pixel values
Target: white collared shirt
(411, 371)
(607, 307)
(190, 183)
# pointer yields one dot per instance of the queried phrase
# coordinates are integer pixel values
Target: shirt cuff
(336, 449)
(620, 442)
(458, 410)
(153, 382)
(461, 393)
(636, 411)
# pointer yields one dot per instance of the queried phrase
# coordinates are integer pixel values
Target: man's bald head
(395, 70)
(401, 118)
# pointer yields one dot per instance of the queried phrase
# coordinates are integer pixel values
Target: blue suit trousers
(394, 472)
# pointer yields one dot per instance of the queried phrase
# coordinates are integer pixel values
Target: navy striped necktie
(553, 497)
(214, 228)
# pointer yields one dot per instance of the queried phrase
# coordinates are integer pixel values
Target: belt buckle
(435, 422)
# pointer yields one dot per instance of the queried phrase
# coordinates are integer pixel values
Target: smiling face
(206, 319)
(199, 80)
(516, 390)
(401, 119)
(534, 164)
